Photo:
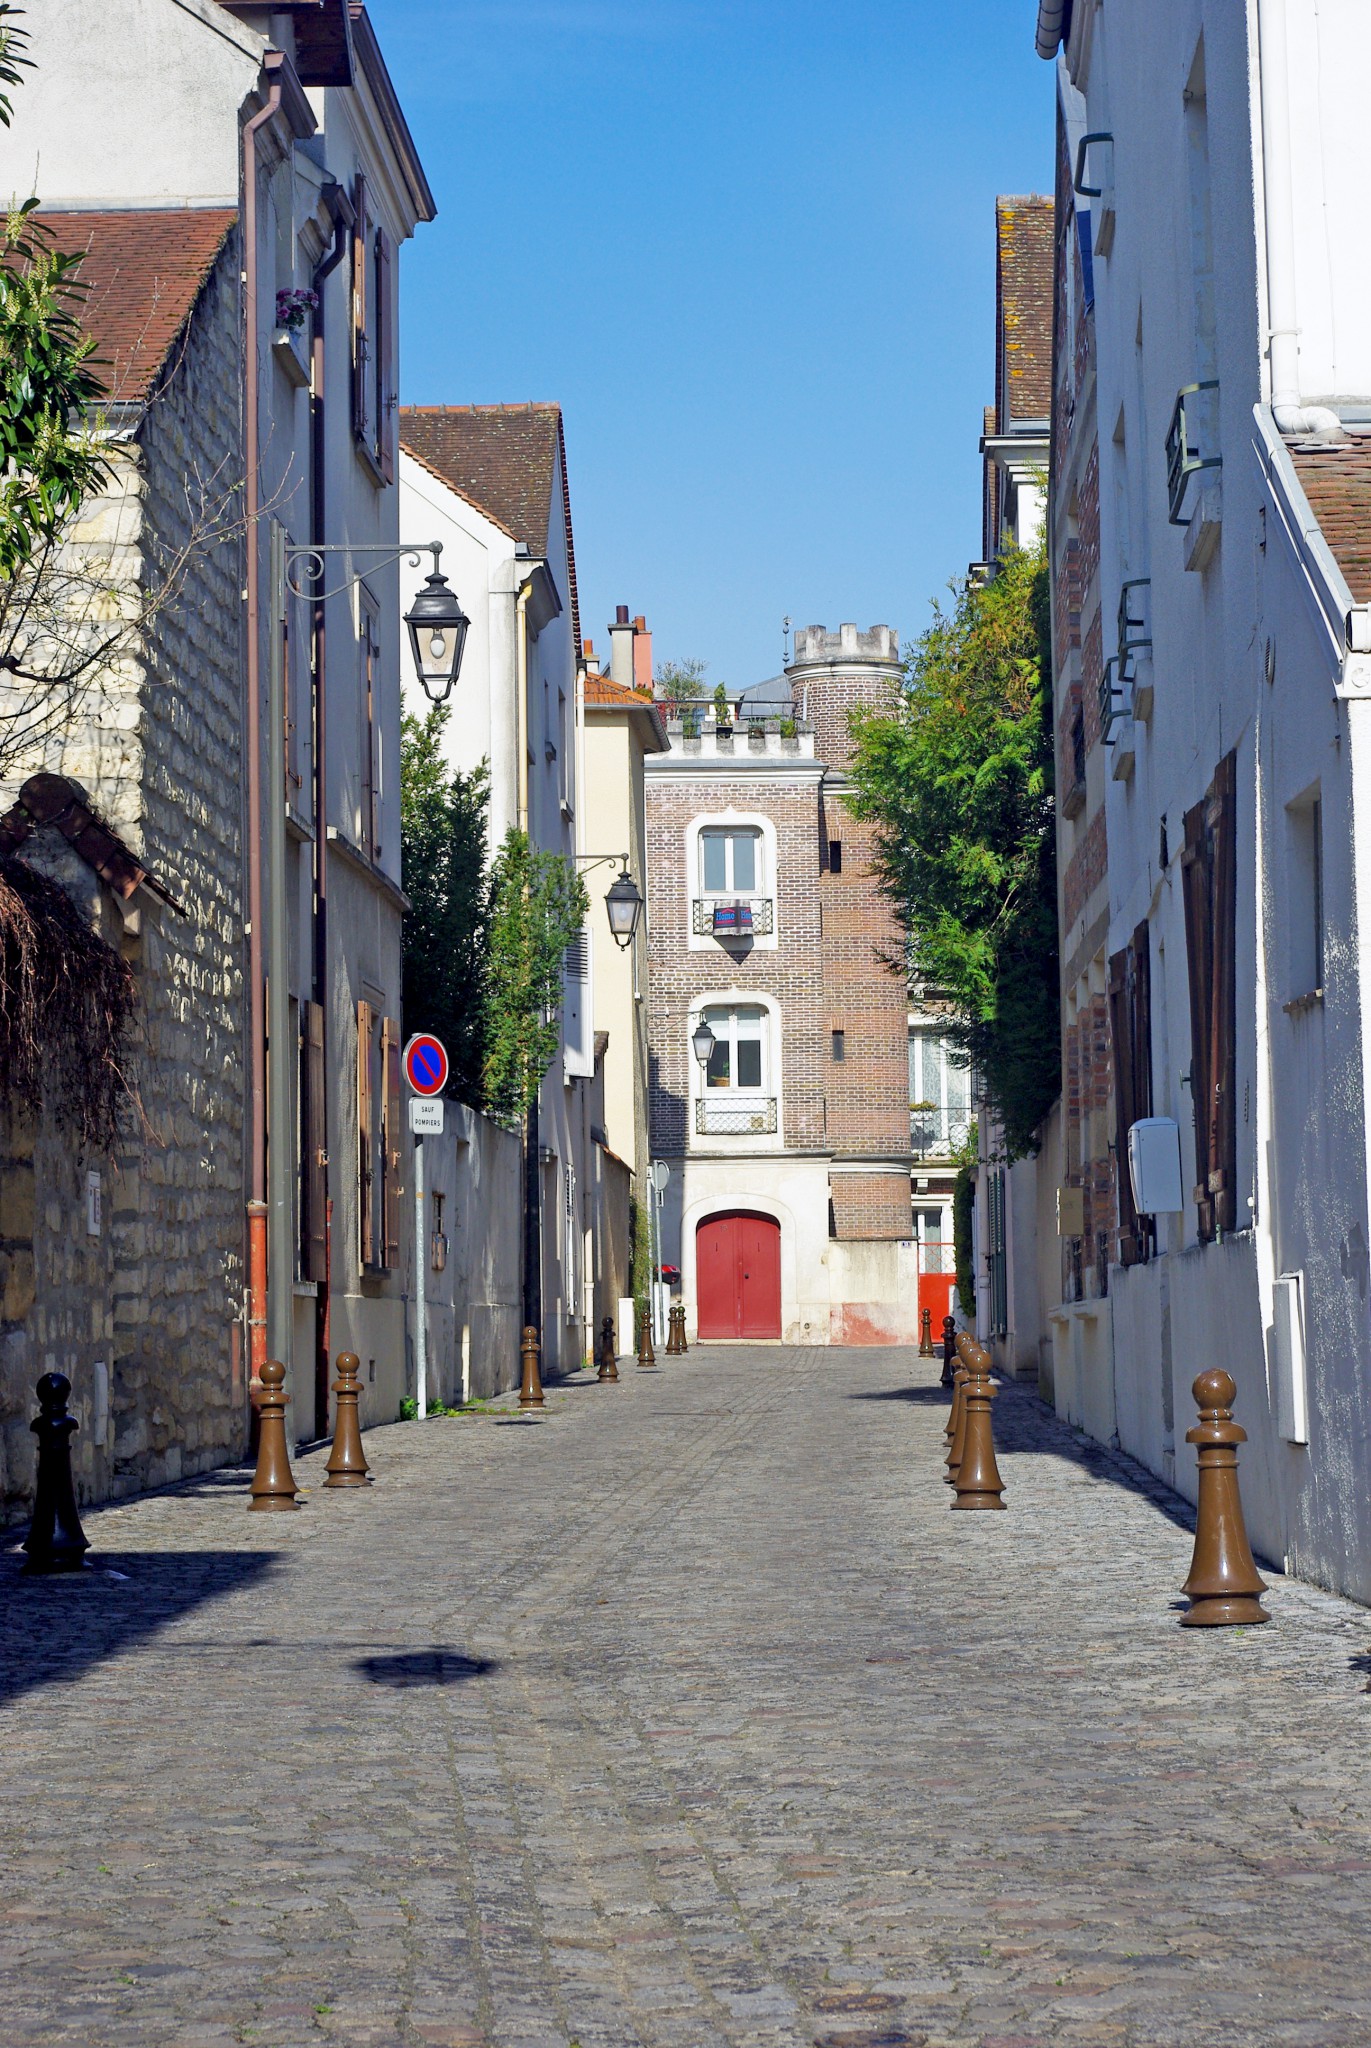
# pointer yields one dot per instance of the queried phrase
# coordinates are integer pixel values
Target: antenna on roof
(785, 641)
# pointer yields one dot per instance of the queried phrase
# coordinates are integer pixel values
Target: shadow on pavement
(424, 1667)
(1025, 1426)
(922, 1397)
(54, 1628)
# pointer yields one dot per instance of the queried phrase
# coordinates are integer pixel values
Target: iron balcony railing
(1113, 699)
(1135, 616)
(735, 1120)
(732, 917)
(937, 1133)
(1191, 441)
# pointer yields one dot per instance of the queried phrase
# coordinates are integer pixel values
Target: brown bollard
(609, 1369)
(531, 1382)
(675, 1342)
(978, 1479)
(681, 1327)
(56, 1541)
(1224, 1582)
(273, 1483)
(956, 1421)
(926, 1334)
(347, 1465)
(949, 1350)
(646, 1355)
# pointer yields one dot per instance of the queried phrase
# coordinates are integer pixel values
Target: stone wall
(142, 1313)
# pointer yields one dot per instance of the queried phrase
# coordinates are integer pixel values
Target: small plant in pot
(789, 729)
(294, 306)
(723, 716)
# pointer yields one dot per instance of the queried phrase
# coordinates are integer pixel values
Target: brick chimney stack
(642, 655)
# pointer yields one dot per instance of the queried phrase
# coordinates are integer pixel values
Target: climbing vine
(67, 1006)
(538, 906)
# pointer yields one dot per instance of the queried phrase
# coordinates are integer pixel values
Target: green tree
(447, 930)
(538, 906)
(681, 682)
(957, 780)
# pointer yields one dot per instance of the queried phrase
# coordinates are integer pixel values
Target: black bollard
(949, 1351)
(56, 1542)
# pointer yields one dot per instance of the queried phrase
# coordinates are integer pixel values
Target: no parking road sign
(426, 1067)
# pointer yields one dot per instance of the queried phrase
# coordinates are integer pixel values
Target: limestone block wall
(155, 1298)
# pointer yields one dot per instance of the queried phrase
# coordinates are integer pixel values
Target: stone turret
(830, 673)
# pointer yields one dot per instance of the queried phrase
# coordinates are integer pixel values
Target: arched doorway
(738, 1275)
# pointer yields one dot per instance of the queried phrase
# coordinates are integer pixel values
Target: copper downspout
(343, 218)
(257, 1030)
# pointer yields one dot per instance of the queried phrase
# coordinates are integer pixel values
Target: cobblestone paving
(687, 1717)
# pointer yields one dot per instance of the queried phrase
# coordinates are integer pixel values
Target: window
(313, 1146)
(369, 835)
(1130, 1022)
(1208, 877)
(840, 1045)
(835, 856)
(374, 396)
(380, 1152)
(1304, 925)
(738, 1061)
(940, 1094)
(730, 860)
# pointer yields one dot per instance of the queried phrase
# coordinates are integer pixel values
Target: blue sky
(749, 246)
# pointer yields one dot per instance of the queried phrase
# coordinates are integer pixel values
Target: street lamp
(437, 633)
(624, 904)
(702, 1042)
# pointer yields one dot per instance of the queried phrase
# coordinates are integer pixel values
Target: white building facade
(1219, 159)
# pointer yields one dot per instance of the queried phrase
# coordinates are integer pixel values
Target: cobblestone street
(689, 1716)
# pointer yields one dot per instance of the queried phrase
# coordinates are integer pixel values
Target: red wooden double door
(738, 1275)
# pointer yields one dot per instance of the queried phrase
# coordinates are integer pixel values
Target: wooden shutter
(363, 370)
(1209, 881)
(1130, 1021)
(366, 1142)
(314, 1165)
(1223, 1163)
(393, 1144)
(385, 358)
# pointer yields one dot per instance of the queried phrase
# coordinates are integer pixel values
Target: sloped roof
(603, 694)
(502, 458)
(1023, 309)
(143, 270)
(1337, 483)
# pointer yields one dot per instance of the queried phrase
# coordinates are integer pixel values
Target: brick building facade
(765, 926)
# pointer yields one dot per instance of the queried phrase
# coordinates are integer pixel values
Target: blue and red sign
(426, 1067)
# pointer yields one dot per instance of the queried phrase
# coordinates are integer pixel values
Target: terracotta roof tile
(143, 271)
(1337, 483)
(607, 695)
(1024, 229)
(501, 458)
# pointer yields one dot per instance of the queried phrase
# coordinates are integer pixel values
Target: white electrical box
(1292, 1396)
(1154, 1165)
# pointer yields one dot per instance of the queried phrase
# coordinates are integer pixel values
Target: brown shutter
(1223, 1148)
(314, 1164)
(394, 1157)
(1199, 954)
(385, 359)
(366, 1142)
(363, 370)
(1121, 1040)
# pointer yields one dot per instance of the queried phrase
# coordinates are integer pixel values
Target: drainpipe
(1282, 317)
(521, 700)
(256, 1061)
(340, 206)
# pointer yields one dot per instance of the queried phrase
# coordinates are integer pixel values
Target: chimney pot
(621, 614)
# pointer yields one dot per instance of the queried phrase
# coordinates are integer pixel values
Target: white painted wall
(1243, 657)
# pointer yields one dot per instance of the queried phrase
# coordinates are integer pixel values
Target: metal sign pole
(420, 1285)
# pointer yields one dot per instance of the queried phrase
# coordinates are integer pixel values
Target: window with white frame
(730, 860)
(739, 1061)
(940, 1107)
